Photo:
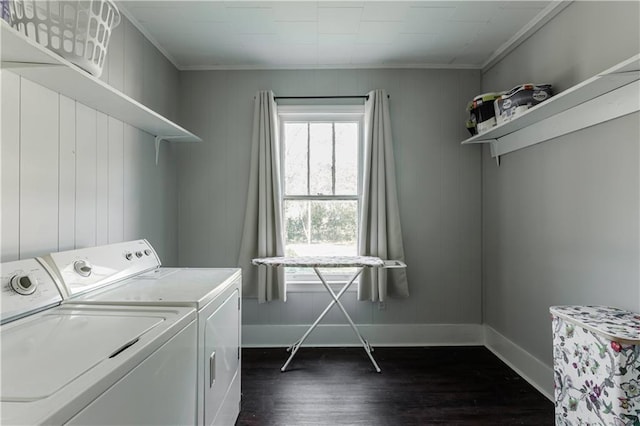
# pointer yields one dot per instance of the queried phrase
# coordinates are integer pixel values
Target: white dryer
(129, 274)
(88, 364)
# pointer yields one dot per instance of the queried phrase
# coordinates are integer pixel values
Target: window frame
(320, 113)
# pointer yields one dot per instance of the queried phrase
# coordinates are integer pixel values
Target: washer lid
(41, 356)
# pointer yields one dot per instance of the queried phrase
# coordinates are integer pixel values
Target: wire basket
(79, 31)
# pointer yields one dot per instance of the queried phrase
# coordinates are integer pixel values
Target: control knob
(82, 267)
(128, 255)
(24, 284)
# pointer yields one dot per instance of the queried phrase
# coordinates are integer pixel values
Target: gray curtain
(262, 233)
(380, 233)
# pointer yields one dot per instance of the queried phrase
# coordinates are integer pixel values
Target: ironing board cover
(320, 262)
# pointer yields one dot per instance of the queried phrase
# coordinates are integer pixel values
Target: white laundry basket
(79, 31)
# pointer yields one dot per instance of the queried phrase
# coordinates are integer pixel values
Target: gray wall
(74, 177)
(438, 179)
(561, 219)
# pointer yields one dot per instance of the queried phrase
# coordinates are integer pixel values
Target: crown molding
(123, 10)
(327, 67)
(547, 14)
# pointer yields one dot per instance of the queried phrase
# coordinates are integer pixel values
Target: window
(320, 202)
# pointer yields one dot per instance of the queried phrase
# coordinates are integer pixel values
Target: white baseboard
(530, 368)
(377, 334)
(534, 371)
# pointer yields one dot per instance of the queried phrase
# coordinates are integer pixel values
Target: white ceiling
(210, 34)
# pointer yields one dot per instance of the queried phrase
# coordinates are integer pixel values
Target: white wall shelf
(36, 63)
(608, 95)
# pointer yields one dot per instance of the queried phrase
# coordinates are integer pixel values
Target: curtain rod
(326, 97)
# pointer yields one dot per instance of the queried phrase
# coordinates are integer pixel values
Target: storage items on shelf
(492, 109)
(482, 113)
(77, 30)
(608, 95)
(5, 13)
(520, 99)
(596, 356)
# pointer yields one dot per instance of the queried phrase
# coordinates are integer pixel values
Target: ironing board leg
(365, 344)
(295, 346)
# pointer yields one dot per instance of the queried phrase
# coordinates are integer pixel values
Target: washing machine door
(222, 359)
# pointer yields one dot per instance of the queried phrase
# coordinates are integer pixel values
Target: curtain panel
(262, 234)
(380, 233)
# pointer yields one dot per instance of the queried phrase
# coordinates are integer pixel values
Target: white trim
(534, 25)
(327, 335)
(123, 10)
(329, 110)
(525, 32)
(328, 67)
(530, 368)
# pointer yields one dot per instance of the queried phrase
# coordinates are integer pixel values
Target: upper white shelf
(36, 63)
(608, 95)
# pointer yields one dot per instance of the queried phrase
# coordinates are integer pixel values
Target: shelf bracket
(494, 151)
(159, 139)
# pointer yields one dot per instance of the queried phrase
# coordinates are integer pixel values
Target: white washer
(129, 274)
(88, 364)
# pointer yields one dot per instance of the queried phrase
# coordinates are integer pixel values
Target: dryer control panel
(27, 287)
(88, 269)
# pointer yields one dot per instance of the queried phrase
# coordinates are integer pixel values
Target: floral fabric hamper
(596, 356)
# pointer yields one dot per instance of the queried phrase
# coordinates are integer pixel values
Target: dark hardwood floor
(417, 386)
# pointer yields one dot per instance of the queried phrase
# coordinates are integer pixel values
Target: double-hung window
(321, 151)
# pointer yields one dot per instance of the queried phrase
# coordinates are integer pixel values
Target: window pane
(333, 226)
(295, 158)
(346, 158)
(321, 159)
(321, 228)
(296, 225)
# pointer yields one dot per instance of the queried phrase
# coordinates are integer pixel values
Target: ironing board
(359, 262)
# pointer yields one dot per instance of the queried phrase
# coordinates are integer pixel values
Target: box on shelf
(596, 359)
(520, 99)
(482, 113)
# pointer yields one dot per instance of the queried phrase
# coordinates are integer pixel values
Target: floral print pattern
(596, 353)
(616, 324)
